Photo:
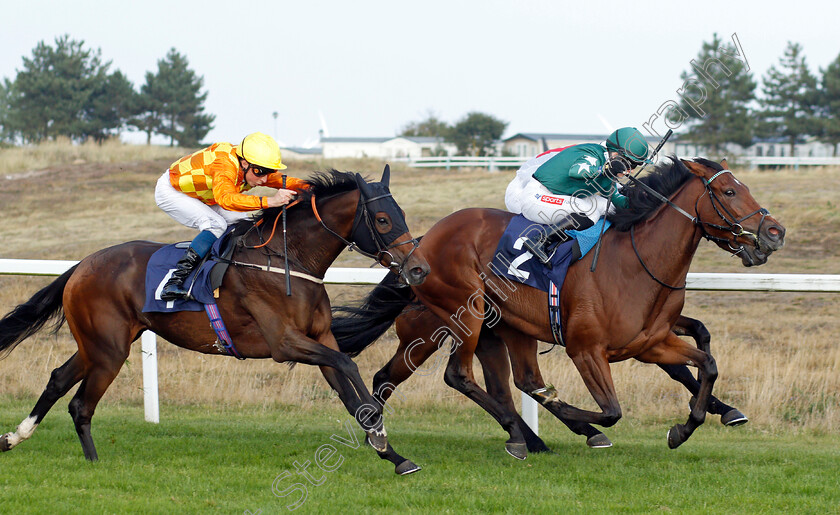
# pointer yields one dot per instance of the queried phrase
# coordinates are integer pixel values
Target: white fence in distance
(695, 281)
(494, 163)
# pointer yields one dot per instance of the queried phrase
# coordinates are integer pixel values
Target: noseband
(733, 224)
(383, 248)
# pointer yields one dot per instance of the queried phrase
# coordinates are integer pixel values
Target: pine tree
(790, 99)
(66, 90)
(829, 105)
(111, 104)
(5, 93)
(50, 92)
(724, 117)
(173, 104)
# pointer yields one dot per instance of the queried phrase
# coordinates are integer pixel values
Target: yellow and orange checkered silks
(213, 176)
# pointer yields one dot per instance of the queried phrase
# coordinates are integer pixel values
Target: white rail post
(148, 350)
(530, 413)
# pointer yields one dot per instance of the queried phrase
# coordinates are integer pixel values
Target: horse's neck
(668, 241)
(315, 247)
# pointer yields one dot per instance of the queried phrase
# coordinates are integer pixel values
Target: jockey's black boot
(538, 245)
(174, 287)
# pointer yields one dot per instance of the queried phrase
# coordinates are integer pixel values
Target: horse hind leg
(528, 378)
(493, 357)
(84, 403)
(61, 381)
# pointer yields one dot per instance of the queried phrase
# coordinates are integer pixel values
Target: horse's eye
(729, 193)
(382, 220)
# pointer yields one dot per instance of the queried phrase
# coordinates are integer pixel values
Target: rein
(695, 220)
(382, 248)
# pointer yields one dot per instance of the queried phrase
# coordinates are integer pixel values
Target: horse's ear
(386, 176)
(724, 164)
(362, 184)
(695, 168)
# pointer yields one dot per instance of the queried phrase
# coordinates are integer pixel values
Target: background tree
(65, 90)
(6, 135)
(431, 126)
(790, 99)
(476, 133)
(110, 107)
(51, 90)
(829, 105)
(172, 103)
(727, 113)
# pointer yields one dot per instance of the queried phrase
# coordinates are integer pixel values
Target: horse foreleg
(695, 329)
(61, 381)
(345, 379)
(594, 369)
(674, 351)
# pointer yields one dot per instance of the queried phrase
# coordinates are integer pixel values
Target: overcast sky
(372, 66)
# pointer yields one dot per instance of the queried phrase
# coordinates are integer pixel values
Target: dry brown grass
(777, 353)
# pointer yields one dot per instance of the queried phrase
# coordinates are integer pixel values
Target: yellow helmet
(261, 150)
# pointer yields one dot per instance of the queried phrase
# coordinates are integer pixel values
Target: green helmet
(630, 143)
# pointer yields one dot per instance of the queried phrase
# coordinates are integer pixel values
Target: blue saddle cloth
(159, 269)
(513, 261)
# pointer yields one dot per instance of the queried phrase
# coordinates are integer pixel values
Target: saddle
(513, 262)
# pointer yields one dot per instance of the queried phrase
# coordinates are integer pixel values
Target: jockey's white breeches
(528, 197)
(191, 211)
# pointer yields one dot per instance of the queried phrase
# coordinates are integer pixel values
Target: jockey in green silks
(568, 187)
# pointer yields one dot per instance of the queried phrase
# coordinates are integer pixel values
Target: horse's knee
(611, 416)
(381, 377)
(78, 412)
(454, 377)
(710, 369)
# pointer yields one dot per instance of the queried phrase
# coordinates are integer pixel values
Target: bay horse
(102, 299)
(416, 329)
(625, 309)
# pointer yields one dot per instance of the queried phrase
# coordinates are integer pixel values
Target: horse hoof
(674, 437)
(4, 443)
(538, 447)
(407, 467)
(733, 418)
(379, 443)
(517, 450)
(599, 441)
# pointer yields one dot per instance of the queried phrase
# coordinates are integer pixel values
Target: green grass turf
(203, 458)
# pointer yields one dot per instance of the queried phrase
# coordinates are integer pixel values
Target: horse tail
(364, 324)
(31, 316)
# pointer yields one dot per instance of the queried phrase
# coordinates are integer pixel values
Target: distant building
(300, 153)
(529, 144)
(762, 147)
(386, 148)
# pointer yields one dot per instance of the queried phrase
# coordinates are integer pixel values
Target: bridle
(383, 248)
(733, 225)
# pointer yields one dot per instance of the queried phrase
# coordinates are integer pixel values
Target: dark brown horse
(102, 300)
(626, 309)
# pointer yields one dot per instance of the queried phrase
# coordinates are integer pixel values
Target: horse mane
(667, 177)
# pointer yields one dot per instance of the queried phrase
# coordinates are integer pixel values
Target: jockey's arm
(225, 192)
(275, 180)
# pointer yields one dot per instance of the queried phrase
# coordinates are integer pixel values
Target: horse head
(729, 215)
(380, 230)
